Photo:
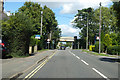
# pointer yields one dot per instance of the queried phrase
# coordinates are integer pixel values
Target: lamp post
(41, 22)
(100, 31)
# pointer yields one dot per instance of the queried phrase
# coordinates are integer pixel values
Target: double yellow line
(38, 68)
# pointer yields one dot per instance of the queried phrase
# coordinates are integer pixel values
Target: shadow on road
(110, 60)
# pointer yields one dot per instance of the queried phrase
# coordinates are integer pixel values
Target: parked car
(2, 50)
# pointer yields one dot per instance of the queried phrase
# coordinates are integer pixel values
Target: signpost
(97, 38)
(48, 41)
(37, 36)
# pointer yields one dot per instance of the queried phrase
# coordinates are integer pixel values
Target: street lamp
(41, 22)
(100, 30)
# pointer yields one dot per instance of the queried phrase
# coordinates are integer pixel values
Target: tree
(17, 34)
(81, 23)
(33, 10)
(107, 40)
(113, 36)
(108, 18)
(116, 8)
(68, 44)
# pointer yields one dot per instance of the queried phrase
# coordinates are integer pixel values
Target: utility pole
(50, 35)
(1, 13)
(100, 31)
(41, 22)
(87, 33)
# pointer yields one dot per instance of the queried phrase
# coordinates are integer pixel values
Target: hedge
(113, 50)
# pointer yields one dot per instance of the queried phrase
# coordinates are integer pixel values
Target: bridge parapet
(66, 39)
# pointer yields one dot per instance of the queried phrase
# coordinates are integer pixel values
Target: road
(74, 64)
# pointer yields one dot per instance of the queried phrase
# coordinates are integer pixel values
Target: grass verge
(101, 54)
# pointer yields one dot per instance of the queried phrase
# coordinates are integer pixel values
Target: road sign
(37, 36)
(48, 40)
(97, 38)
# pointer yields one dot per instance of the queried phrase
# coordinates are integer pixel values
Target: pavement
(17, 66)
(74, 64)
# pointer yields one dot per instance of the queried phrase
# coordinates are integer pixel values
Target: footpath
(14, 66)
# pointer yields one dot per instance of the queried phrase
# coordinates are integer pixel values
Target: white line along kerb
(100, 74)
(84, 62)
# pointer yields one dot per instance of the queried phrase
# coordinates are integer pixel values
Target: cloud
(52, 4)
(69, 31)
(71, 8)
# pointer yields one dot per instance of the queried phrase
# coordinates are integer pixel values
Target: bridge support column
(72, 45)
(58, 45)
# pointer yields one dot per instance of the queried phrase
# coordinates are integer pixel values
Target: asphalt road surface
(74, 64)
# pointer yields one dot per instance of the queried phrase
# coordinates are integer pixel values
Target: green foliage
(107, 40)
(81, 23)
(17, 34)
(108, 23)
(33, 10)
(113, 50)
(33, 41)
(118, 38)
(68, 44)
(113, 36)
(108, 19)
(116, 8)
(97, 47)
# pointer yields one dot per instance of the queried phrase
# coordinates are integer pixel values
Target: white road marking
(100, 74)
(78, 57)
(84, 62)
(73, 54)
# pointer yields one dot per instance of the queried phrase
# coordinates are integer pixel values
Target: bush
(16, 34)
(113, 50)
(96, 49)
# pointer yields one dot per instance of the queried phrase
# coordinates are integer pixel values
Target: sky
(64, 10)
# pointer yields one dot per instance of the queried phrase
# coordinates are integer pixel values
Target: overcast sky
(64, 10)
